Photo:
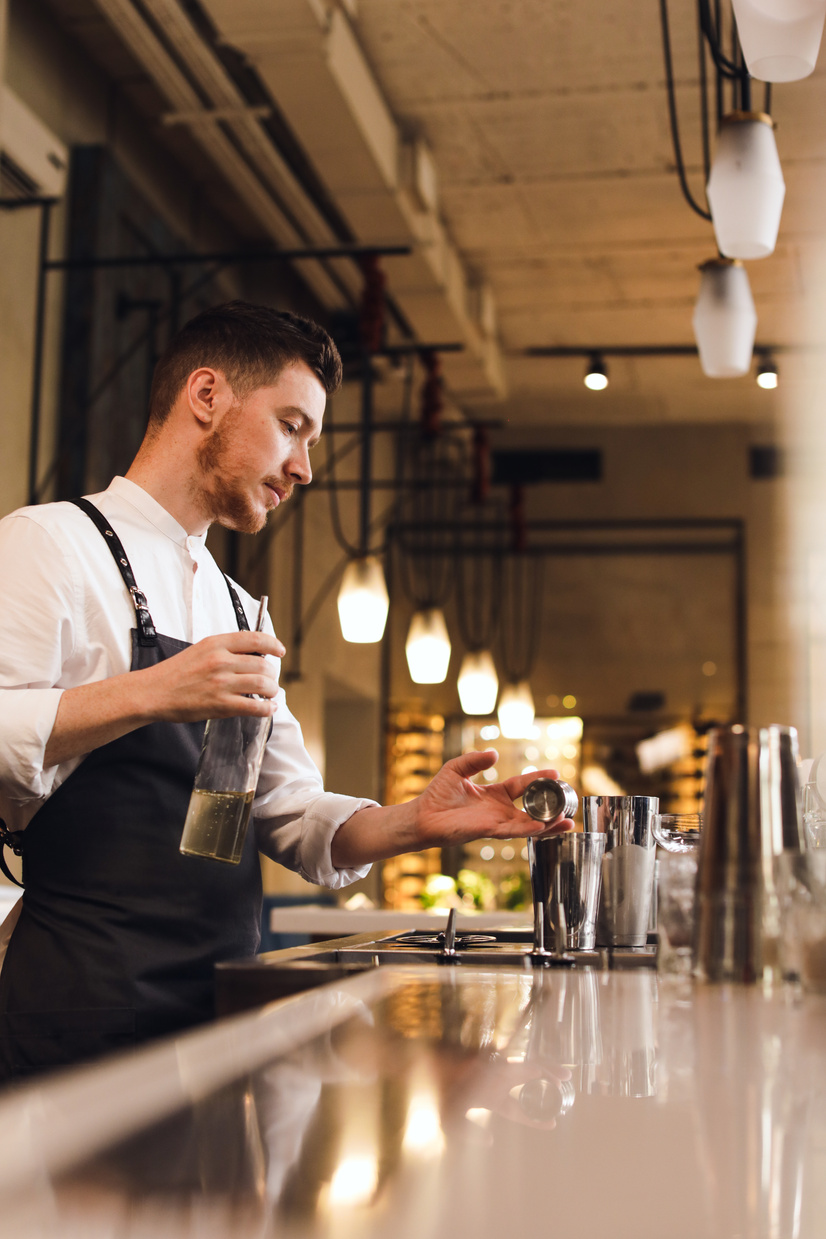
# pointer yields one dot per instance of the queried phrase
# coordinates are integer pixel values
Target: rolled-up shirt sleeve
(295, 819)
(37, 605)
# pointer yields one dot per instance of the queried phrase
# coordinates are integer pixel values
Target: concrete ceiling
(548, 128)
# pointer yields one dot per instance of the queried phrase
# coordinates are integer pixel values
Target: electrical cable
(522, 608)
(672, 112)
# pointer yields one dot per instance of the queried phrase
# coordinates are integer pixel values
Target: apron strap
(146, 627)
(10, 839)
(243, 623)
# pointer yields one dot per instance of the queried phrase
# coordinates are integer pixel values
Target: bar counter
(430, 1101)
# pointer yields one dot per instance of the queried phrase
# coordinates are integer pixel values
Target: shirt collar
(151, 510)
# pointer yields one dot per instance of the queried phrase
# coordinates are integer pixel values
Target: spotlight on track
(596, 373)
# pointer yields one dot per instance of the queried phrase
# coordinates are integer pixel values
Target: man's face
(259, 450)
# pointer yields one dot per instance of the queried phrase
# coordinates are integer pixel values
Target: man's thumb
(471, 763)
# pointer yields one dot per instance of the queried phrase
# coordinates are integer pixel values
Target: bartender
(119, 637)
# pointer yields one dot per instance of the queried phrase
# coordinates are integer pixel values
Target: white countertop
(436, 1102)
(338, 922)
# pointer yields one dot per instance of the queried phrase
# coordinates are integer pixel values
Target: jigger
(751, 815)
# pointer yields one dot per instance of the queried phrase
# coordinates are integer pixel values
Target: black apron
(119, 933)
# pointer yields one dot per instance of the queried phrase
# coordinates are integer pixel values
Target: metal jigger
(751, 816)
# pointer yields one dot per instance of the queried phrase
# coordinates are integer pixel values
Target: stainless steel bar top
(436, 1101)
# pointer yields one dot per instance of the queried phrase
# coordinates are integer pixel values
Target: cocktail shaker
(751, 815)
(627, 865)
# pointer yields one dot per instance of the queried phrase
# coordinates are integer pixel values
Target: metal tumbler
(750, 817)
(627, 866)
(565, 878)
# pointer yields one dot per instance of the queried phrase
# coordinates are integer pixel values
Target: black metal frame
(171, 262)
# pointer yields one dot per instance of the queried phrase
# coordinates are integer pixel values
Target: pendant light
(516, 711)
(780, 38)
(428, 647)
(363, 601)
(478, 683)
(724, 319)
(746, 188)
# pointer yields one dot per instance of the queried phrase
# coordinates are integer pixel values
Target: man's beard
(225, 499)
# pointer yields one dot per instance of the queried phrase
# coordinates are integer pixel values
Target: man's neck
(170, 484)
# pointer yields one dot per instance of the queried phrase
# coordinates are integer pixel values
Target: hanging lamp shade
(724, 319)
(516, 711)
(428, 647)
(746, 187)
(478, 683)
(780, 38)
(363, 601)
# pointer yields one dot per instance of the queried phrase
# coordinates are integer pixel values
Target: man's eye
(290, 428)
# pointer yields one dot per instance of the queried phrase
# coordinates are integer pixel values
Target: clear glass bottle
(225, 781)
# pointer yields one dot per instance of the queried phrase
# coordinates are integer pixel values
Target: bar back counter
(430, 1101)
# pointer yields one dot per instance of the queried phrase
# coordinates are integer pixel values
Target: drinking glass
(677, 879)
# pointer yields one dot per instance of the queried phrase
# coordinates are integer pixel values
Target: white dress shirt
(66, 619)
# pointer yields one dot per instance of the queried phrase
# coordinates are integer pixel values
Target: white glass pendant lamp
(724, 319)
(363, 601)
(478, 683)
(780, 38)
(428, 647)
(516, 711)
(746, 188)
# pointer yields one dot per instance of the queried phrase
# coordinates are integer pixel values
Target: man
(119, 636)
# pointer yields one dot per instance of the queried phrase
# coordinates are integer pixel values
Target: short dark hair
(249, 344)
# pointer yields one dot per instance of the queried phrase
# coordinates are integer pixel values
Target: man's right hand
(218, 677)
(212, 679)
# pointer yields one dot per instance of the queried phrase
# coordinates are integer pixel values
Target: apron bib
(119, 933)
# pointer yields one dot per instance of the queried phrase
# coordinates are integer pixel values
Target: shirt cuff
(27, 720)
(302, 841)
(321, 821)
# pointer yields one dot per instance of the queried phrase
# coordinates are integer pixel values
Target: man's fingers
(516, 786)
(470, 764)
(250, 643)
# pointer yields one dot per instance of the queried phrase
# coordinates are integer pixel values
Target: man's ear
(207, 393)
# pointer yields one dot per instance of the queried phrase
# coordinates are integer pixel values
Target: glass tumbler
(676, 882)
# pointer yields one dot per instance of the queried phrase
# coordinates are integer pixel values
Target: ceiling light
(780, 38)
(478, 683)
(767, 374)
(516, 711)
(746, 188)
(724, 319)
(596, 373)
(363, 601)
(428, 647)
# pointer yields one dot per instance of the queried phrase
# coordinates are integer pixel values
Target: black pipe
(39, 337)
(366, 451)
(163, 260)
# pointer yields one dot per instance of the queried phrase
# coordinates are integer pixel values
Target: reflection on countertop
(438, 1102)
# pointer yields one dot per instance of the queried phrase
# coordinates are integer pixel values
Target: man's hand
(212, 679)
(451, 810)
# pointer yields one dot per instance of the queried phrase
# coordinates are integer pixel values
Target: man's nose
(300, 467)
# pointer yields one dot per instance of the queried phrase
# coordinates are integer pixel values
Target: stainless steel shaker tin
(627, 888)
(749, 818)
(545, 799)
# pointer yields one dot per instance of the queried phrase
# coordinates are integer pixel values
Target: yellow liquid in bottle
(216, 825)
